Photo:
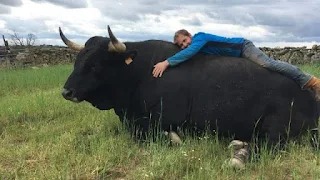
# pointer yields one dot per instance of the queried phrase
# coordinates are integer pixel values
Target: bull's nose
(67, 94)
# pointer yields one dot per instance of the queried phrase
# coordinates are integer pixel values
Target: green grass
(312, 69)
(16, 81)
(43, 136)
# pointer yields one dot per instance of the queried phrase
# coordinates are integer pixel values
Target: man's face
(183, 41)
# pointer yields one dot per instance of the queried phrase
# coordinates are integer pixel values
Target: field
(43, 136)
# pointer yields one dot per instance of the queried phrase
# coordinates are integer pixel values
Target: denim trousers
(254, 54)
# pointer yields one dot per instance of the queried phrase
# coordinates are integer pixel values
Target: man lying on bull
(236, 47)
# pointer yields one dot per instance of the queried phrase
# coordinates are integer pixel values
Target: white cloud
(263, 22)
(2, 24)
(11, 2)
(68, 3)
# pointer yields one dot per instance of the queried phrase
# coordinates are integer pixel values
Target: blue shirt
(209, 44)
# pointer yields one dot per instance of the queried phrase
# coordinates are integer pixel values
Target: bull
(231, 96)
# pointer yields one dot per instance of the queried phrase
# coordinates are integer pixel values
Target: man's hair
(180, 32)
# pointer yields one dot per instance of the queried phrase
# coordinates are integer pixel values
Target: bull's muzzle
(68, 94)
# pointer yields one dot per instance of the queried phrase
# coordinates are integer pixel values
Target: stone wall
(295, 55)
(37, 56)
(50, 55)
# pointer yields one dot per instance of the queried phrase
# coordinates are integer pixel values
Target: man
(236, 47)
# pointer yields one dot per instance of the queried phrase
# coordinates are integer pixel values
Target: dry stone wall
(295, 55)
(38, 55)
(50, 55)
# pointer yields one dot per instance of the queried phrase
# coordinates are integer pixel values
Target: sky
(268, 23)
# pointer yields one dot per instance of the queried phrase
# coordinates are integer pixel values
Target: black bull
(231, 96)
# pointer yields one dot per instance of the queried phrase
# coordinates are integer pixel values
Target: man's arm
(186, 53)
(159, 68)
(179, 57)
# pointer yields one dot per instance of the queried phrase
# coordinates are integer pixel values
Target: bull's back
(232, 94)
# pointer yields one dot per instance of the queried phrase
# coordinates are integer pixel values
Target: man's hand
(160, 68)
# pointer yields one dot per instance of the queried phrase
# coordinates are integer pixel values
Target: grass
(43, 136)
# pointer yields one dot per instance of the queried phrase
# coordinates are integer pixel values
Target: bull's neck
(148, 54)
(139, 72)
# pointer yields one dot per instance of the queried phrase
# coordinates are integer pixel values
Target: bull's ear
(129, 56)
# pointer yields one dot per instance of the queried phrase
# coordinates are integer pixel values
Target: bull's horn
(114, 44)
(69, 43)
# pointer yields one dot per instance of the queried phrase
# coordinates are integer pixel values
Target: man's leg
(304, 80)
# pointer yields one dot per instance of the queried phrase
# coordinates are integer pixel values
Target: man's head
(182, 38)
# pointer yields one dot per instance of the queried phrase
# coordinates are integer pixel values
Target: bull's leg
(314, 141)
(240, 154)
(171, 130)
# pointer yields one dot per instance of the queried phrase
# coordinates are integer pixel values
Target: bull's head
(99, 67)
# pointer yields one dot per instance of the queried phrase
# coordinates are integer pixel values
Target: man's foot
(314, 85)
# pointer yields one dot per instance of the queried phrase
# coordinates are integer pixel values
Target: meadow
(43, 136)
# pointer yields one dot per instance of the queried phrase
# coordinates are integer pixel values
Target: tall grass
(43, 136)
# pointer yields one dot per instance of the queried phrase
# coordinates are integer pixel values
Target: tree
(19, 40)
(31, 38)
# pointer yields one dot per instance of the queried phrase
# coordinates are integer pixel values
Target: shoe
(314, 85)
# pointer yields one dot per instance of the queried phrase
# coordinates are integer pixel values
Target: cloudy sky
(266, 22)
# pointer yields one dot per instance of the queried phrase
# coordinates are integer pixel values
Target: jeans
(254, 54)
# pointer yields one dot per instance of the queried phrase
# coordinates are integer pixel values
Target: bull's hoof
(240, 154)
(174, 138)
(236, 163)
(237, 144)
